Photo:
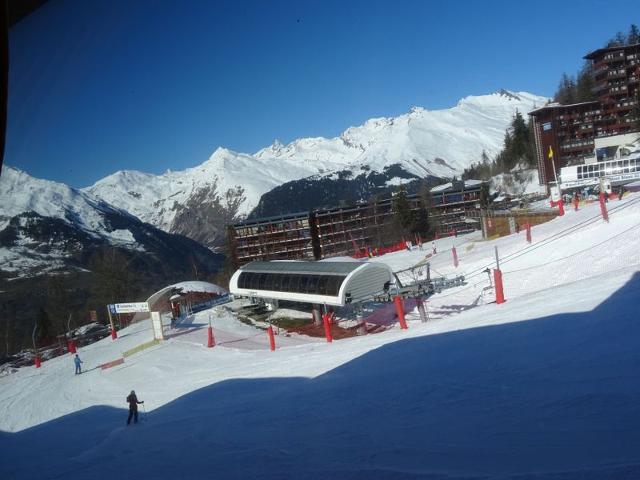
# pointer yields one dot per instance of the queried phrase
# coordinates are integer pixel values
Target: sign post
(110, 309)
(156, 323)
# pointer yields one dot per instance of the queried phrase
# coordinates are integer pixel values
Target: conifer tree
(402, 209)
(584, 84)
(634, 35)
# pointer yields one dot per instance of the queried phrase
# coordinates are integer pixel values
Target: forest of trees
(518, 150)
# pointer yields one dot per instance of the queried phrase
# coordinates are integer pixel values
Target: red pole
(455, 257)
(560, 208)
(211, 342)
(528, 227)
(37, 361)
(114, 335)
(400, 312)
(71, 346)
(576, 202)
(327, 327)
(497, 277)
(603, 208)
(272, 340)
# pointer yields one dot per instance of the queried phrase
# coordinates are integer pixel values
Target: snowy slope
(440, 143)
(543, 386)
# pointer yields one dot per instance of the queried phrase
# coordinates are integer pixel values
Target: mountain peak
(508, 94)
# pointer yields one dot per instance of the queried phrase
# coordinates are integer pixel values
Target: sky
(150, 85)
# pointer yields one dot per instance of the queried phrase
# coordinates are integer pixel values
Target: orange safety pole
(400, 312)
(560, 208)
(497, 277)
(327, 327)
(528, 227)
(272, 340)
(455, 257)
(211, 341)
(603, 208)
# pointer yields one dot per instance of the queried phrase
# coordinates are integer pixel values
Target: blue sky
(104, 85)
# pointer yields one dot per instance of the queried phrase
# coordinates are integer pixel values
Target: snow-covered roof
(198, 286)
(554, 105)
(186, 287)
(595, 53)
(449, 186)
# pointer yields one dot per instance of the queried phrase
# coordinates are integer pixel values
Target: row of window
(296, 283)
(272, 227)
(608, 168)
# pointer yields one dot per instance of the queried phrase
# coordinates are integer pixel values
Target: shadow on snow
(556, 397)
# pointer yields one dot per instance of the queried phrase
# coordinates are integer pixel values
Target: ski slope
(543, 386)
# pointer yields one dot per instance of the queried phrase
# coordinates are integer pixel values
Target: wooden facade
(331, 232)
(570, 130)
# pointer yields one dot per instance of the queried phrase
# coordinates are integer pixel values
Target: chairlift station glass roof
(328, 283)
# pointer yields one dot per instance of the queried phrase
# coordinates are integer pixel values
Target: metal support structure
(422, 309)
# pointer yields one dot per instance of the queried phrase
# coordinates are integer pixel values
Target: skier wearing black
(133, 407)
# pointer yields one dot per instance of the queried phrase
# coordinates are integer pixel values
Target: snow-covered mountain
(47, 226)
(438, 143)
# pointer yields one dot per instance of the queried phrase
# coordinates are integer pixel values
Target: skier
(77, 361)
(133, 407)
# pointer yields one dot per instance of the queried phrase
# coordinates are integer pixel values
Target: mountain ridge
(426, 143)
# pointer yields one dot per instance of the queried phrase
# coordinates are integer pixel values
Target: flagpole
(553, 164)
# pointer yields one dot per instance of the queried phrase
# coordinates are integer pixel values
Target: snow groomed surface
(543, 386)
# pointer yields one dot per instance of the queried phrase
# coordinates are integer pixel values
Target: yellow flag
(550, 152)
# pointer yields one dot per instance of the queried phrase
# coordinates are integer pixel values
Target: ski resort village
(447, 293)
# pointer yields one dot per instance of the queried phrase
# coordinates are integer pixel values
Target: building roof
(554, 105)
(284, 218)
(302, 267)
(596, 53)
(328, 283)
(449, 187)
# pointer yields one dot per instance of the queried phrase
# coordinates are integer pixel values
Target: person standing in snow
(78, 362)
(132, 399)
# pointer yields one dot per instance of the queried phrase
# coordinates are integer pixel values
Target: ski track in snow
(543, 386)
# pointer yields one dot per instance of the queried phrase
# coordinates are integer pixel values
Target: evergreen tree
(619, 40)
(566, 92)
(584, 84)
(44, 332)
(634, 35)
(402, 209)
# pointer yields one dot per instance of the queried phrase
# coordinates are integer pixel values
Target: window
(302, 285)
(243, 280)
(333, 285)
(312, 286)
(261, 279)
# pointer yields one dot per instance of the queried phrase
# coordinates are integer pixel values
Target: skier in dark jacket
(78, 362)
(133, 407)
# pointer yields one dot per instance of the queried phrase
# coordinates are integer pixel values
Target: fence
(499, 223)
